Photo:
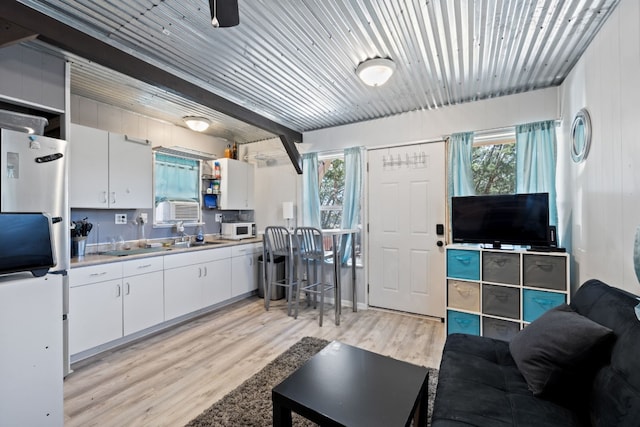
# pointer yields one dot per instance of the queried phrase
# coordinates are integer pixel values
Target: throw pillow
(559, 353)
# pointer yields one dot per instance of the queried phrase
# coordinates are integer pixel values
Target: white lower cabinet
(109, 301)
(143, 294)
(31, 351)
(244, 268)
(182, 290)
(113, 300)
(195, 280)
(95, 306)
(217, 282)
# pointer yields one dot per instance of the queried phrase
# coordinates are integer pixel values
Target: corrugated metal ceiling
(293, 61)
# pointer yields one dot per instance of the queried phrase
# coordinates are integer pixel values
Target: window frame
(198, 193)
(330, 158)
(503, 138)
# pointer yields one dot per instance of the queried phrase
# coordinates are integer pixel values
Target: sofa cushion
(615, 395)
(559, 353)
(480, 385)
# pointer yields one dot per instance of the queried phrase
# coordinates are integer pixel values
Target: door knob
(440, 243)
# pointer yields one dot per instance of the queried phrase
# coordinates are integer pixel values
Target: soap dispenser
(199, 235)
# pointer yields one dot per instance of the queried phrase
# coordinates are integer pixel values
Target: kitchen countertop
(94, 259)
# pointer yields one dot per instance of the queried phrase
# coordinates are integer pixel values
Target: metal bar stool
(312, 256)
(277, 242)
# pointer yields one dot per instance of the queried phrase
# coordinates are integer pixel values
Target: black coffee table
(347, 386)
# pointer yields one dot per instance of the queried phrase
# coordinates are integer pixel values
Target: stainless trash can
(277, 292)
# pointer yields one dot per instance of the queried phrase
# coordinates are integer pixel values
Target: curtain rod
(504, 129)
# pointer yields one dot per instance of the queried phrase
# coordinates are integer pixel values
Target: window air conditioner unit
(169, 210)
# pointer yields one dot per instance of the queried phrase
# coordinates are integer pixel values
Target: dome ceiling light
(198, 124)
(376, 71)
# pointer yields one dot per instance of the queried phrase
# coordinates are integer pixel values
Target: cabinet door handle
(127, 289)
(113, 197)
(104, 197)
(199, 271)
(98, 274)
(119, 291)
(205, 271)
(144, 266)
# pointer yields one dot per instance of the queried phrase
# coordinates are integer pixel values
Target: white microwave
(238, 230)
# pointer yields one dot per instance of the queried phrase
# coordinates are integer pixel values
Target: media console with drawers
(495, 293)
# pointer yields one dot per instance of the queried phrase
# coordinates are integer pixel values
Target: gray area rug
(250, 403)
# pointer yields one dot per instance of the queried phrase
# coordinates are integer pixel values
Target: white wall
(419, 126)
(601, 196)
(405, 128)
(94, 114)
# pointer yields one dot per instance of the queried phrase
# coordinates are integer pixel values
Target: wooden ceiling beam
(79, 43)
(11, 33)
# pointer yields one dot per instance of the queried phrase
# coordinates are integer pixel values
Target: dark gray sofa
(479, 383)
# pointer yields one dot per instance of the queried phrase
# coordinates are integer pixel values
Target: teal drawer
(535, 303)
(462, 323)
(463, 264)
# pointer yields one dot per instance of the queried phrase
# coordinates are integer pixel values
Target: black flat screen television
(512, 219)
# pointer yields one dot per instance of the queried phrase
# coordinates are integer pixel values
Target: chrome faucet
(182, 236)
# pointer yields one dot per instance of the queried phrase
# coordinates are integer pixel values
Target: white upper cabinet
(236, 184)
(108, 170)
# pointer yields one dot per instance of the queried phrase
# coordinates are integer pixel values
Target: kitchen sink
(136, 251)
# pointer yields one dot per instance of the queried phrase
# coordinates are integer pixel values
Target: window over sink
(176, 184)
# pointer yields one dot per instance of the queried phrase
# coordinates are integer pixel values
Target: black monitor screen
(26, 243)
(518, 219)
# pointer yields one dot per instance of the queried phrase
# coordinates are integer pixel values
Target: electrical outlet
(121, 218)
(144, 218)
(218, 217)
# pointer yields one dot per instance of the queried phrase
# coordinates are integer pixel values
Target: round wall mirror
(580, 136)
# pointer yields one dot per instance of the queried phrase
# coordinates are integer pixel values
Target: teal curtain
(459, 172)
(460, 179)
(310, 191)
(176, 178)
(352, 196)
(536, 162)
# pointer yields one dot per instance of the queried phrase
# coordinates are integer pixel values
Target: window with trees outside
(493, 163)
(331, 182)
(331, 175)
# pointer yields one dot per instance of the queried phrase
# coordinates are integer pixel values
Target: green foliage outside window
(331, 181)
(494, 168)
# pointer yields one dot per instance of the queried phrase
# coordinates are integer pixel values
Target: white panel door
(406, 201)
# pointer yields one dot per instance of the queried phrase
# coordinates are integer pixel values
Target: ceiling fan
(224, 13)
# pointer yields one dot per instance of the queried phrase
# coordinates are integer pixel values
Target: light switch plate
(218, 217)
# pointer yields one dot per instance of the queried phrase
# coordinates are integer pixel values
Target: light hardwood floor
(168, 379)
